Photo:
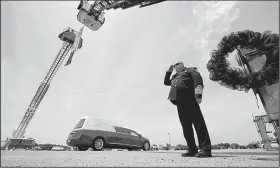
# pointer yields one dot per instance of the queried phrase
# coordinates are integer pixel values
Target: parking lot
(221, 158)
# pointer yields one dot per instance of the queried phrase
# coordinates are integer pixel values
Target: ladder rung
(101, 4)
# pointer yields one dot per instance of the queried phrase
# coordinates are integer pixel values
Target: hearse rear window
(80, 124)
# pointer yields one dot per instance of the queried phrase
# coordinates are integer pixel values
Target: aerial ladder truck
(72, 41)
(90, 15)
(251, 61)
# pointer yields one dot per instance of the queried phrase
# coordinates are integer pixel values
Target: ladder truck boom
(92, 15)
(69, 37)
(268, 94)
(43, 88)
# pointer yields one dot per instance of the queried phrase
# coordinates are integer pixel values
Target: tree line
(251, 145)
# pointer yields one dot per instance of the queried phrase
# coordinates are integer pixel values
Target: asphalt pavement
(221, 158)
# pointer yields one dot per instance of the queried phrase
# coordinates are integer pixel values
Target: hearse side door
(109, 133)
(124, 136)
(135, 138)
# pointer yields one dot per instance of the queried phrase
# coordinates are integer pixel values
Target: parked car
(36, 148)
(58, 148)
(99, 134)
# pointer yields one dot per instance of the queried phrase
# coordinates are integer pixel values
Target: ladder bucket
(90, 21)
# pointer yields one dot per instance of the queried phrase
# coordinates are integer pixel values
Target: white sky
(118, 74)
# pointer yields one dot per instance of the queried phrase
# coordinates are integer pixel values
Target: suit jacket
(183, 84)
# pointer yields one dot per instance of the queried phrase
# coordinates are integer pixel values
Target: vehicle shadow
(267, 159)
(223, 156)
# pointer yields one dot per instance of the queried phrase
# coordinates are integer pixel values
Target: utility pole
(169, 140)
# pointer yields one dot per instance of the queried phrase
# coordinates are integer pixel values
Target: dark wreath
(239, 79)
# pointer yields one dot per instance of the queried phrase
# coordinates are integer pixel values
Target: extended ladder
(71, 40)
(42, 90)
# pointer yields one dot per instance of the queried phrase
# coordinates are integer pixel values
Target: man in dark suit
(186, 94)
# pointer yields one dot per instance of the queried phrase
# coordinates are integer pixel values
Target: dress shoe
(203, 154)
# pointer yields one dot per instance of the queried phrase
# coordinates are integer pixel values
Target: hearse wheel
(98, 144)
(83, 148)
(146, 146)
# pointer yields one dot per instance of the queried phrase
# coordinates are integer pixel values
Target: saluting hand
(170, 69)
